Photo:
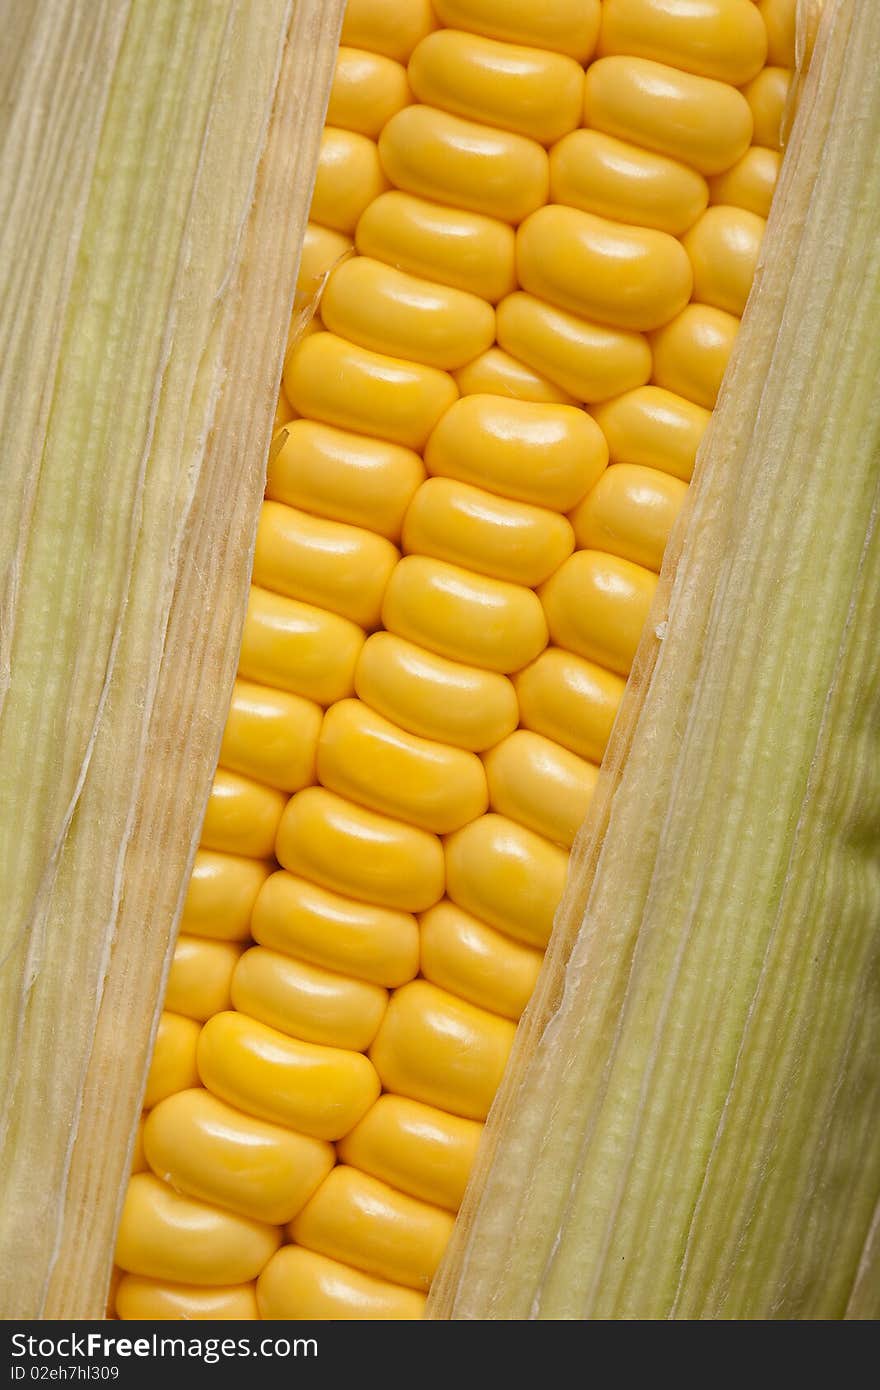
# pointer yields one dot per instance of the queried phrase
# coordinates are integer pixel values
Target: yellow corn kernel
(319, 1091)
(435, 155)
(441, 1050)
(322, 250)
(696, 120)
(476, 962)
(435, 698)
(283, 412)
(570, 701)
(222, 891)
(173, 1063)
(138, 1157)
(540, 785)
(767, 95)
(362, 1221)
(528, 90)
(388, 310)
(346, 477)
(716, 38)
(149, 1300)
(368, 759)
(655, 428)
(242, 816)
(588, 361)
(466, 526)
(342, 568)
(359, 853)
(750, 182)
(201, 1146)
(507, 876)
(166, 1235)
(464, 616)
(371, 943)
(565, 26)
(349, 176)
(627, 277)
(496, 373)
(630, 513)
(779, 18)
(298, 1284)
(723, 249)
(367, 90)
(271, 735)
(691, 352)
(200, 977)
(307, 1001)
(341, 384)
(599, 174)
(416, 1148)
(597, 606)
(549, 455)
(298, 647)
(466, 250)
(392, 27)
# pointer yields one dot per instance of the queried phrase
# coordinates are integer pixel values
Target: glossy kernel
(540, 785)
(529, 90)
(414, 1147)
(691, 352)
(346, 477)
(477, 167)
(750, 182)
(271, 735)
(475, 962)
(589, 361)
(342, 384)
(698, 120)
(242, 815)
(153, 1300)
(200, 976)
(600, 174)
(547, 455)
(359, 853)
(441, 1050)
(166, 1235)
(767, 96)
(388, 310)
(367, 90)
(630, 513)
(565, 26)
(298, 647)
(464, 616)
(392, 27)
(307, 1001)
(466, 526)
(319, 1091)
(723, 247)
(322, 249)
(779, 18)
(433, 697)
(360, 1220)
(298, 1284)
(349, 176)
(201, 1146)
(467, 250)
(716, 38)
(335, 566)
(655, 428)
(367, 758)
(496, 373)
(627, 277)
(372, 943)
(597, 606)
(569, 700)
(507, 876)
(222, 891)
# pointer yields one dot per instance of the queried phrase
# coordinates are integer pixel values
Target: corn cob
(498, 286)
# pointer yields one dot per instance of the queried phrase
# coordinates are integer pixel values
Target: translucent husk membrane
(689, 1124)
(155, 172)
